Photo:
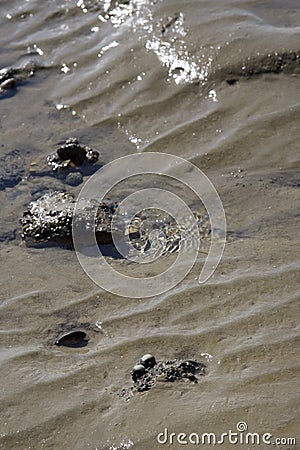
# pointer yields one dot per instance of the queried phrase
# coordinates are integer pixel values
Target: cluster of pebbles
(147, 372)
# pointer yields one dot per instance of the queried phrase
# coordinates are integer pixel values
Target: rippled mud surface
(216, 83)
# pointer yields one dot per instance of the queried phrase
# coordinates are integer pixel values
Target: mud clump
(71, 154)
(49, 219)
(147, 372)
(69, 163)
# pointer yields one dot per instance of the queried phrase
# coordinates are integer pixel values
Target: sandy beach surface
(216, 83)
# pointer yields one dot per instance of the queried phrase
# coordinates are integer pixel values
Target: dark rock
(148, 361)
(74, 339)
(74, 178)
(68, 163)
(138, 371)
(10, 83)
(72, 154)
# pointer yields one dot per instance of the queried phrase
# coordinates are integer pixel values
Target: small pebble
(138, 371)
(74, 178)
(10, 83)
(148, 361)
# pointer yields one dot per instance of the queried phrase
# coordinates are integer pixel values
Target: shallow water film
(215, 83)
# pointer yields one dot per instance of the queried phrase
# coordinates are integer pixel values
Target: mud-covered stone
(74, 178)
(72, 154)
(69, 163)
(49, 219)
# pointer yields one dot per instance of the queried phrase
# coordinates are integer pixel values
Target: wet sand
(243, 134)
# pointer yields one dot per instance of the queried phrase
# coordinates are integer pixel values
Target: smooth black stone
(74, 339)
